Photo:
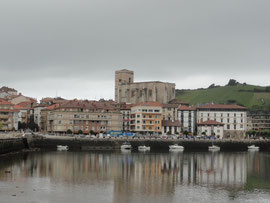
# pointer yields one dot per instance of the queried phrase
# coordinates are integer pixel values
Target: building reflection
(149, 174)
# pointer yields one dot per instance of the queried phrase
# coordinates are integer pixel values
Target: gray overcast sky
(73, 47)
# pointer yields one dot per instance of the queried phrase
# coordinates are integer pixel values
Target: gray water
(135, 177)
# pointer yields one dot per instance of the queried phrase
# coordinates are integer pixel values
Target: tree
(80, 132)
(69, 131)
(185, 132)
(92, 132)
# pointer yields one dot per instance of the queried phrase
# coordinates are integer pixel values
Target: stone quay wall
(12, 145)
(155, 144)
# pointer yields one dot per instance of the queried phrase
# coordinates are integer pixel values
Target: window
(138, 121)
(150, 128)
(235, 115)
(150, 110)
(234, 127)
(138, 116)
(138, 127)
(150, 122)
(228, 115)
(70, 122)
(59, 122)
(228, 127)
(157, 111)
(228, 120)
(59, 116)
(150, 93)
(150, 116)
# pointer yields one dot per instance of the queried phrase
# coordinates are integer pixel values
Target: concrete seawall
(12, 144)
(155, 144)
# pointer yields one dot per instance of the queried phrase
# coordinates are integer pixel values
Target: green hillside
(253, 97)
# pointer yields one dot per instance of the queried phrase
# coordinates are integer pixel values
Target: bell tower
(122, 77)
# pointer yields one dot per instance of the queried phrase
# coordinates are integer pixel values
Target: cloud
(84, 42)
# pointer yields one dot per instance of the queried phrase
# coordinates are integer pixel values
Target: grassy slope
(223, 94)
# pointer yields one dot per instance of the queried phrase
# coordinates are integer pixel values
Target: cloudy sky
(71, 48)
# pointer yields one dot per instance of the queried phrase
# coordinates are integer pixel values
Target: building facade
(187, 117)
(85, 116)
(259, 120)
(211, 128)
(8, 116)
(146, 118)
(233, 117)
(128, 91)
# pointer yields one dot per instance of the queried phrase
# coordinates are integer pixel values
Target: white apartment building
(187, 118)
(211, 128)
(234, 117)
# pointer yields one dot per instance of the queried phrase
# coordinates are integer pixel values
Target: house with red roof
(232, 116)
(211, 128)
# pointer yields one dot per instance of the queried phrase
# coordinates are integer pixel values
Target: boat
(214, 148)
(143, 148)
(126, 146)
(62, 147)
(176, 147)
(253, 147)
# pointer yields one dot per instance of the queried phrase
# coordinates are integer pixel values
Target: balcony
(4, 116)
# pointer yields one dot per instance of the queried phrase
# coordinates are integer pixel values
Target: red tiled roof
(186, 108)
(19, 107)
(171, 123)
(210, 122)
(25, 105)
(52, 107)
(93, 105)
(4, 102)
(170, 105)
(9, 110)
(6, 89)
(221, 106)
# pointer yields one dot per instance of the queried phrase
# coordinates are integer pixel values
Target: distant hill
(250, 96)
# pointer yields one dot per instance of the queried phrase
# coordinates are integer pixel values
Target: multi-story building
(187, 118)
(258, 120)
(85, 116)
(128, 91)
(125, 109)
(234, 117)
(37, 114)
(22, 114)
(146, 118)
(211, 128)
(170, 122)
(8, 116)
(9, 91)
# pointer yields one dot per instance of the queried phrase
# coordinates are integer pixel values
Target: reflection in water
(138, 177)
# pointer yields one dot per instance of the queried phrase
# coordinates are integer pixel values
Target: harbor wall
(12, 144)
(155, 144)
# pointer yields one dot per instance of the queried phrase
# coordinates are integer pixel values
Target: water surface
(88, 176)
